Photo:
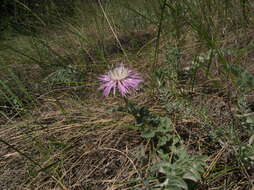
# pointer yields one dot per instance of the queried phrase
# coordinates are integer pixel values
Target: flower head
(121, 78)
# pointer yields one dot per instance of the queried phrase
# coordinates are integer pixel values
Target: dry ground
(82, 144)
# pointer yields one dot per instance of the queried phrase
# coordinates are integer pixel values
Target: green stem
(126, 101)
(159, 34)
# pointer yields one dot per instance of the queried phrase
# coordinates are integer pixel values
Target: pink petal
(107, 89)
(104, 78)
(122, 89)
(133, 83)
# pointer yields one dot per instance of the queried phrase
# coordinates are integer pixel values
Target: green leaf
(250, 119)
(164, 139)
(173, 183)
(192, 175)
(165, 125)
(178, 182)
(163, 155)
(148, 134)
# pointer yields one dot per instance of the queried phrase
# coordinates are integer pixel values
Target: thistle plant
(124, 79)
(178, 169)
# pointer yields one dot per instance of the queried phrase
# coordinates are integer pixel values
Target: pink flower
(121, 78)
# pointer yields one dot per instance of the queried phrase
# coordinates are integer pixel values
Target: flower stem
(126, 101)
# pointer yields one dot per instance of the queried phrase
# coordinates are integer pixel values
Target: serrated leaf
(148, 134)
(178, 182)
(192, 175)
(163, 155)
(163, 140)
(165, 125)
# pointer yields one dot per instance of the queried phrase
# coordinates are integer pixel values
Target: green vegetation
(190, 126)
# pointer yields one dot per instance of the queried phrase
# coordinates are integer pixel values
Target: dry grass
(94, 149)
(80, 142)
(84, 145)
